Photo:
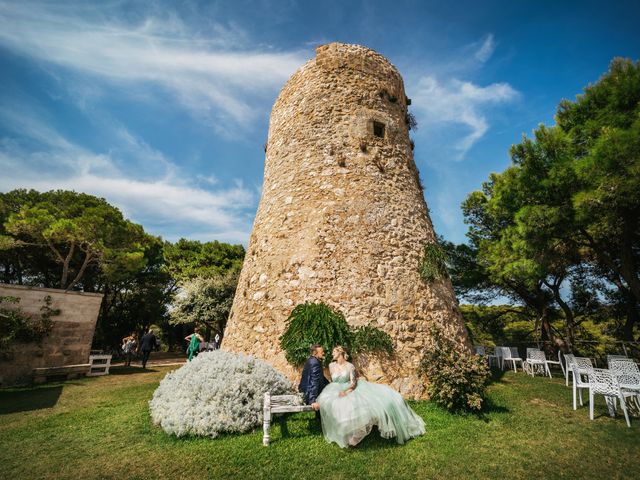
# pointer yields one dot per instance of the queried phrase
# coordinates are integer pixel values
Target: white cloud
(215, 77)
(486, 49)
(458, 102)
(170, 202)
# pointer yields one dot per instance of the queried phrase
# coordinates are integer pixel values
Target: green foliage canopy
(189, 259)
(78, 230)
(566, 205)
(205, 301)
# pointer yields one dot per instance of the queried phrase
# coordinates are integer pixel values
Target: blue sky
(162, 108)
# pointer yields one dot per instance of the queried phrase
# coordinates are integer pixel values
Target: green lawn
(100, 428)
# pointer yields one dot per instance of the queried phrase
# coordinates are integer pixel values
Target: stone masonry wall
(342, 219)
(69, 342)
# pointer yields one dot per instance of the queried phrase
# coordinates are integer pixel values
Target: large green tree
(604, 127)
(76, 230)
(189, 259)
(205, 302)
(135, 300)
(567, 205)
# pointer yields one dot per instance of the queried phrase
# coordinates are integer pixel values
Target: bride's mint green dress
(347, 420)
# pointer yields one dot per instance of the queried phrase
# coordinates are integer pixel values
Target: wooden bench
(280, 404)
(40, 375)
(99, 365)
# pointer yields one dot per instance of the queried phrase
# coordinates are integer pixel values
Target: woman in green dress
(350, 407)
(194, 343)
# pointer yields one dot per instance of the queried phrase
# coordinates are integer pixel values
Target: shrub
(411, 121)
(457, 379)
(311, 323)
(218, 392)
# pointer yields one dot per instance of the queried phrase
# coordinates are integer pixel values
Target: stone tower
(342, 218)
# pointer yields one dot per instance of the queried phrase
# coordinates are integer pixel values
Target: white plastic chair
(535, 362)
(548, 362)
(510, 354)
(580, 366)
(560, 362)
(496, 357)
(611, 358)
(603, 382)
(568, 360)
(628, 375)
(617, 357)
(624, 367)
(532, 349)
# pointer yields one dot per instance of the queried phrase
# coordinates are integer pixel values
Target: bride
(350, 407)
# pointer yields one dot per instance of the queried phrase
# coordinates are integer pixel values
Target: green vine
(371, 339)
(17, 326)
(433, 263)
(312, 323)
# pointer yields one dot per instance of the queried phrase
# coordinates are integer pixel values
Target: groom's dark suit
(312, 381)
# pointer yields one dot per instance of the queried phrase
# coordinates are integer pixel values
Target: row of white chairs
(535, 362)
(619, 382)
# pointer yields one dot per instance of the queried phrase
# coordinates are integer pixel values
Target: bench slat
(292, 409)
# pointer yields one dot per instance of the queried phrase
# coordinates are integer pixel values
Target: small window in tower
(378, 129)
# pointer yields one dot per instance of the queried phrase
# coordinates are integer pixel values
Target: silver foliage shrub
(218, 392)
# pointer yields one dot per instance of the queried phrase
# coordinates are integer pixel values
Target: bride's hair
(341, 351)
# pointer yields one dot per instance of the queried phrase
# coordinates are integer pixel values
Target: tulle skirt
(347, 420)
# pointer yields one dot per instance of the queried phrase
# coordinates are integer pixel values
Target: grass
(99, 428)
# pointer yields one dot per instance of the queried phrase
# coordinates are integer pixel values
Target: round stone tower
(342, 219)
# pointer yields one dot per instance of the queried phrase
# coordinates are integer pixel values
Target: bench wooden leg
(267, 420)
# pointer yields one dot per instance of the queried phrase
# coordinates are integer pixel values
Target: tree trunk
(87, 259)
(632, 318)
(568, 315)
(65, 265)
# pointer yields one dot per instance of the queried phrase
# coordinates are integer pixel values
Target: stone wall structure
(68, 343)
(342, 218)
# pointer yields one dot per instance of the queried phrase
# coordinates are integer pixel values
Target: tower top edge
(335, 55)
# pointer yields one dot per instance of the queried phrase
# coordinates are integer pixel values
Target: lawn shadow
(313, 428)
(490, 407)
(374, 441)
(122, 370)
(25, 400)
(283, 420)
(496, 375)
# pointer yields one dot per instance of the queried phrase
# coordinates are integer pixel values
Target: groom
(313, 380)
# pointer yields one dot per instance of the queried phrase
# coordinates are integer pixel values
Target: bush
(218, 392)
(457, 379)
(311, 323)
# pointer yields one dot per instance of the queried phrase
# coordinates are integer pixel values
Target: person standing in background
(147, 343)
(128, 347)
(194, 343)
